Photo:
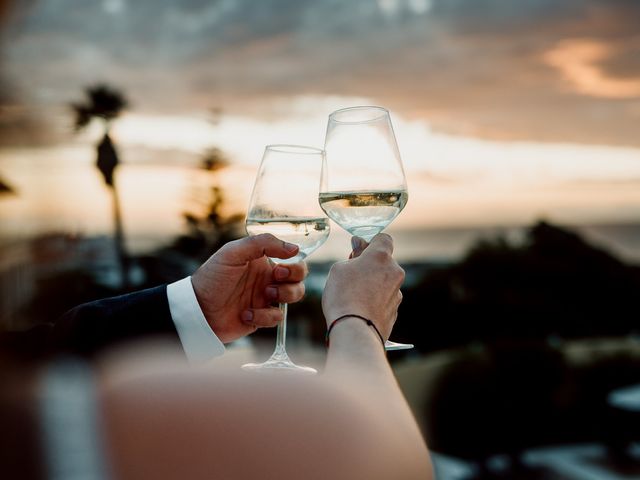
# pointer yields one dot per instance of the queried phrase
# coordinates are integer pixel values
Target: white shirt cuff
(198, 340)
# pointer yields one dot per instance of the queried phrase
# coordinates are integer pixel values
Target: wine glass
(363, 187)
(284, 202)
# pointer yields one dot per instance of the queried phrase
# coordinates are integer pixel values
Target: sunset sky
(504, 111)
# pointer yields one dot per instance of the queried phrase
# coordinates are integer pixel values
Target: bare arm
(369, 285)
(350, 423)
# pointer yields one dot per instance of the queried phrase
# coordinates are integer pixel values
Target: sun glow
(453, 181)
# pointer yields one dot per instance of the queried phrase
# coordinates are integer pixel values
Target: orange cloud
(579, 61)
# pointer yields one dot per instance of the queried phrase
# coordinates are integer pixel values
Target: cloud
(624, 62)
(495, 68)
(583, 63)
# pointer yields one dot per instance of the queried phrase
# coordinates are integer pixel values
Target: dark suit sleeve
(91, 327)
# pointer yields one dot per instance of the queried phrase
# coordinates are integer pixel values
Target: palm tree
(105, 104)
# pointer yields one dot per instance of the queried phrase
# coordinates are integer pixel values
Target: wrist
(355, 348)
(353, 327)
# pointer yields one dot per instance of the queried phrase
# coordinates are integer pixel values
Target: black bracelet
(366, 320)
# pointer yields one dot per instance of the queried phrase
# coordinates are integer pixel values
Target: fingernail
(272, 292)
(290, 247)
(281, 273)
(247, 316)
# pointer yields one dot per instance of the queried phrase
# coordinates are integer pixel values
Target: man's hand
(238, 285)
(367, 284)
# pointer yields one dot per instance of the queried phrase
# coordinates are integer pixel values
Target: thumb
(358, 245)
(246, 249)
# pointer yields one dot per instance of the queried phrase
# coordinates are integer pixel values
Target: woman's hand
(368, 284)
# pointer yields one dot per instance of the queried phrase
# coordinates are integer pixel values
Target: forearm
(92, 327)
(346, 437)
(357, 359)
(355, 349)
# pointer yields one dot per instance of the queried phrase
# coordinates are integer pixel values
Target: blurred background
(130, 134)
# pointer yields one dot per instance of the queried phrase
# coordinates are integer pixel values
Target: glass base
(279, 364)
(389, 345)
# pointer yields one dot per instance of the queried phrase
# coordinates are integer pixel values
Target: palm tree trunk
(123, 258)
(107, 163)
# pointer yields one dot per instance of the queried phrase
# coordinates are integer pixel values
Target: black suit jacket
(90, 328)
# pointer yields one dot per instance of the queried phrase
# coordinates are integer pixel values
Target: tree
(209, 230)
(554, 284)
(105, 104)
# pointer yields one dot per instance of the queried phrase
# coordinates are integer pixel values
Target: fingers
(295, 272)
(262, 317)
(400, 275)
(358, 245)
(285, 292)
(380, 252)
(380, 249)
(381, 242)
(246, 249)
(271, 316)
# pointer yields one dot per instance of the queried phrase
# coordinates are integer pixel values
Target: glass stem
(280, 352)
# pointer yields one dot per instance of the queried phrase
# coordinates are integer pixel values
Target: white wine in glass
(284, 203)
(308, 233)
(364, 214)
(363, 187)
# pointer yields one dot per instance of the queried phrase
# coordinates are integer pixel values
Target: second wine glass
(284, 202)
(363, 187)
